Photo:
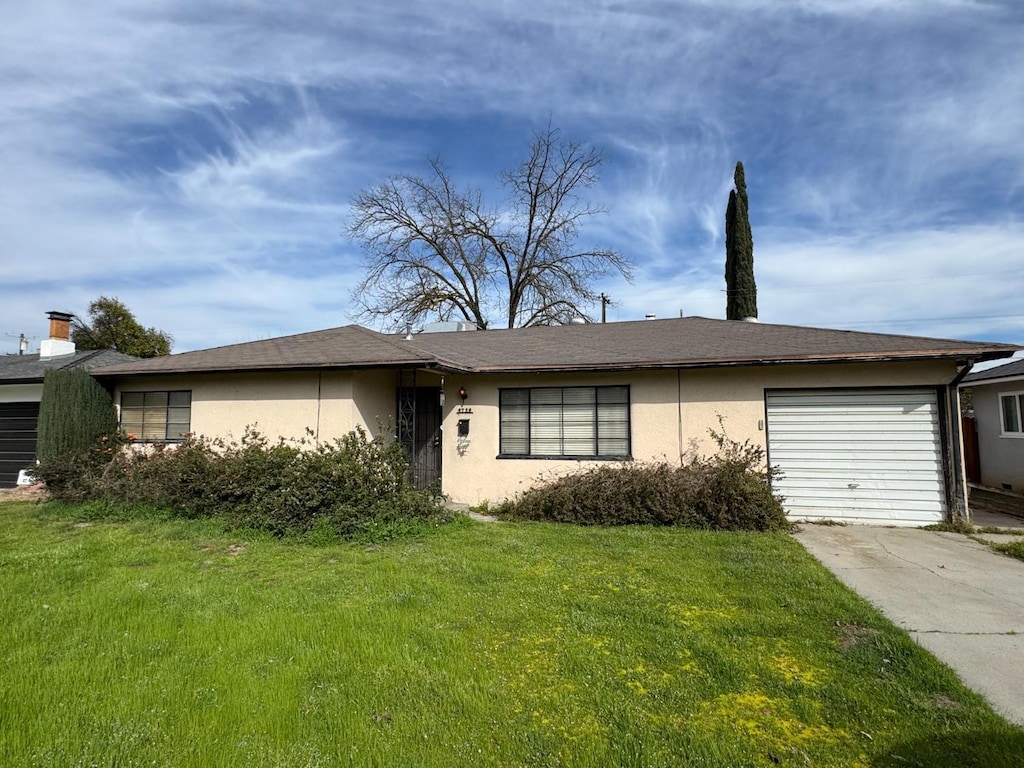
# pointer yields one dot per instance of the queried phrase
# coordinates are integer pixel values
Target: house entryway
(420, 417)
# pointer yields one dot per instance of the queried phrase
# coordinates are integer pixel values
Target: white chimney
(59, 344)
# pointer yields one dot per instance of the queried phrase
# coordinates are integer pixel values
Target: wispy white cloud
(196, 158)
(924, 282)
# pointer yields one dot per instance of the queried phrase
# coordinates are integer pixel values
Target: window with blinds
(565, 421)
(156, 416)
(1012, 407)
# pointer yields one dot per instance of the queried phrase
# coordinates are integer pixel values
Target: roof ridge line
(422, 353)
(75, 360)
(386, 338)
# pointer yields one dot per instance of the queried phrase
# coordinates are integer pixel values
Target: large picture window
(156, 416)
(1012, 407)
(565, 421)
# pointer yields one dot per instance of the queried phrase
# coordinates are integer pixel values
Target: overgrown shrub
(730, 490)
(353, 487)
(74, 476)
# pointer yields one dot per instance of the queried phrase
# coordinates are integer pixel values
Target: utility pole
(605, 301)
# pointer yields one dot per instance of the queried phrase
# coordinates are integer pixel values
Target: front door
(419, 431)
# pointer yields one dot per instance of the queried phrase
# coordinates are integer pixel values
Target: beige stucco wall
(329, 404)
(671, 414)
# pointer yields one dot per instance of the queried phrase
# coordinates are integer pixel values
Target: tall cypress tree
(740, 288)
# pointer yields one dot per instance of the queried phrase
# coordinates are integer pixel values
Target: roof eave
(104, 373)
(449, 366)
(959, 355)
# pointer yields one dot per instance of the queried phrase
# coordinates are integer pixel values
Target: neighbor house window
(156, 416)
(565, 421)
(1012, 407)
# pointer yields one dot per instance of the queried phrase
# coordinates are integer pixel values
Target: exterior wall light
(463, 394)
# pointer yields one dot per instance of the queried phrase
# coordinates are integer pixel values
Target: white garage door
(865, 456)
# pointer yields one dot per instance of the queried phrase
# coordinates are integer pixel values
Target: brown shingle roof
(26, 369)
(690, 342)
(350, 346)
(684, 342)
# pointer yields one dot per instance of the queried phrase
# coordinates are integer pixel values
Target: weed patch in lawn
(174, 643)
(957, 526)
(1011, 548)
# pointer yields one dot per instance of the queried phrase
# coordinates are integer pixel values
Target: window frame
(561, 420)
(1018, 397)
(168, 422)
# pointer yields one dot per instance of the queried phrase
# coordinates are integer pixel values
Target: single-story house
(864, 426)
(21, 390)
(997, 395)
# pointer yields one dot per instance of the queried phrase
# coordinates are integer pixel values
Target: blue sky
(197, 159)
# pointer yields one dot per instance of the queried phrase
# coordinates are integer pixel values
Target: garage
(860, 456)
(17, 440)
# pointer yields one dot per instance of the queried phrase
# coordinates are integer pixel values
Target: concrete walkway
(955, 596)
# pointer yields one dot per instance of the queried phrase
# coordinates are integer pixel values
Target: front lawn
(175, 644)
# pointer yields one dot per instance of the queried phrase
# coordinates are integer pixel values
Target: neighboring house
(997, 395)
(860, 423)
(21, 390)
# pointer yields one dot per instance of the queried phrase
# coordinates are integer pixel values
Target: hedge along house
(21, 391)
(859, 423)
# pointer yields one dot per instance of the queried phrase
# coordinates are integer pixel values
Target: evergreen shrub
(74, 415)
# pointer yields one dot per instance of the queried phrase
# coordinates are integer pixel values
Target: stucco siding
(373, 401)
(671, 412)
(282, 404)
(1001, 457)
(471, 472)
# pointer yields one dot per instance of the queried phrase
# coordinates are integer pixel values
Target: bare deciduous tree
(435, 250)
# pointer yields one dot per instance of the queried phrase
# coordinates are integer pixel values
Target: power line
(911, 321)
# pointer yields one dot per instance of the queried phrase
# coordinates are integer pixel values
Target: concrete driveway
(955, 596)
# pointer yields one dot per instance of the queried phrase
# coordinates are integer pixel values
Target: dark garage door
(17, 440)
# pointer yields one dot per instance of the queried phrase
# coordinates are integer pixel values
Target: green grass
(172, 643)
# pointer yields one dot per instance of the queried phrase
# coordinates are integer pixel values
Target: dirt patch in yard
(35, 492)
(944, 702)
(851, 635)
